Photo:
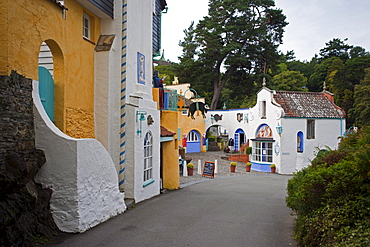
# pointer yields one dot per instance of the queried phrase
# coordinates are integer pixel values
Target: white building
(284, 128)
(90, 178)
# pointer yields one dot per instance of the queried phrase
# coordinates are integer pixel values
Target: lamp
(212, 118)
(279, 129)
(140, 116)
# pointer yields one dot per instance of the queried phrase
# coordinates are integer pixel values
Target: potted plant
(248, 166)
(232, 166)
(273, 168)
(190, 167)
(248, 150)
(182, 152)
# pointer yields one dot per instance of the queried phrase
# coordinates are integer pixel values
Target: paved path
(223, 167)
(245, 210)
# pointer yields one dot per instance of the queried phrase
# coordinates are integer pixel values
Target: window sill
(88, 40)
(148, 183)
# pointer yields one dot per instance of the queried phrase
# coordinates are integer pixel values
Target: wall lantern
(140, 116)
(212, 118)
(279, 129)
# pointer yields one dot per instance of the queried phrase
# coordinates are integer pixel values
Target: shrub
(332, 197)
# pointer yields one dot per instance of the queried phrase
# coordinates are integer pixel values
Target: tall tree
(290, 81)
(336, 48)
(361, 108)
(236, 35)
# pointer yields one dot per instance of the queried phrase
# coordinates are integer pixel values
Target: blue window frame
(300, 142)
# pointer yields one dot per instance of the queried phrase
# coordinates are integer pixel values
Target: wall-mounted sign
(140, 68)
(239, 117)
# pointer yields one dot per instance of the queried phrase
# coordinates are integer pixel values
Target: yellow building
(186, 131)
(70, 32)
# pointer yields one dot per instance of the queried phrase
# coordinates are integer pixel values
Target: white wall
(108, 85)
(285, 155)
(327, 133)
(80, 173)
(139, 98)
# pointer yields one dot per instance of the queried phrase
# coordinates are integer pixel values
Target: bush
(332, 196)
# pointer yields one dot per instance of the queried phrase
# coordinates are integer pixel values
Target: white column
(185, 169)
(199, 167)
(216, 166)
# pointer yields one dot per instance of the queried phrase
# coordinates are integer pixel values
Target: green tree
(361, 107)
(358, 51)
(236, 35)
(290, 81)
(336, 48)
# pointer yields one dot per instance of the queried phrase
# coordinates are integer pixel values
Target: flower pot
(248, 168)
(190, 171)
(273, 169)
(232, 168)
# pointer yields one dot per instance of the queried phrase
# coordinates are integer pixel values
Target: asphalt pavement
(240, 210)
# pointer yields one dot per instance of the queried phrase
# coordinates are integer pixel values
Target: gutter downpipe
(122, 155)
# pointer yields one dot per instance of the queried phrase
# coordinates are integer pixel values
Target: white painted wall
(80, 172)
(287, 159)
(108, 85)
(139, 98)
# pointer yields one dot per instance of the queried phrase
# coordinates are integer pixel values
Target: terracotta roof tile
(307, 105)
(165, 132)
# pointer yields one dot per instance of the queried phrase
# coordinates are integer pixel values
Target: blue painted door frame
(193, 145)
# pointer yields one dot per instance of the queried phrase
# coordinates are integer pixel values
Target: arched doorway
(193, 142)
(239, 139)
(51, 60)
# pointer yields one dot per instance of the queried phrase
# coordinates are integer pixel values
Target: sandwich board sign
(209, 169)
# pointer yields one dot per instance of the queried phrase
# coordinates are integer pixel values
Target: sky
(312, 23)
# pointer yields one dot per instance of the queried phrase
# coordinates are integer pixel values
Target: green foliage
(361, 107)
(336, 48)
(332, 196)
(290, 81)
(235, 36)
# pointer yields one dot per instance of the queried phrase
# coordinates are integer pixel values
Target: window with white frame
(262, 151)
(148, 157)
(86, 26)
(192, 137)
(310, 129)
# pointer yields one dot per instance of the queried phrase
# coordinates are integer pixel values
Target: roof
(165, 132)
(308, 104)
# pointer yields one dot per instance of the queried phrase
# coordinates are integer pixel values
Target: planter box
(239, 157)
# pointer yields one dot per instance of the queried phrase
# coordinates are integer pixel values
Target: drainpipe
(122, 155)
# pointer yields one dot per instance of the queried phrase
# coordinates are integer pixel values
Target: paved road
(234, 211)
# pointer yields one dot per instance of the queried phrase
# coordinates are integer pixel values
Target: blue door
(193, 142)
(46, 91)
(239, 139)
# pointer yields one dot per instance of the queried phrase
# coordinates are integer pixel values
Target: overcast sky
(312, 23)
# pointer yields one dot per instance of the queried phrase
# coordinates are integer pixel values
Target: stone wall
(24, 205)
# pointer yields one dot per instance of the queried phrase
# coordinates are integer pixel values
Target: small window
(148, 157)
(86, 26)
(192, 137)
(300, 142)
(262, 109)
(310, 129)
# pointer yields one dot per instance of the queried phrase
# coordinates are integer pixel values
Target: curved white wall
(80, 172)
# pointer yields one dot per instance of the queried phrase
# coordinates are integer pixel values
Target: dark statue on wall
(198, 106)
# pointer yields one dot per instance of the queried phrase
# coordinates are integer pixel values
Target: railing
(170, 100)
